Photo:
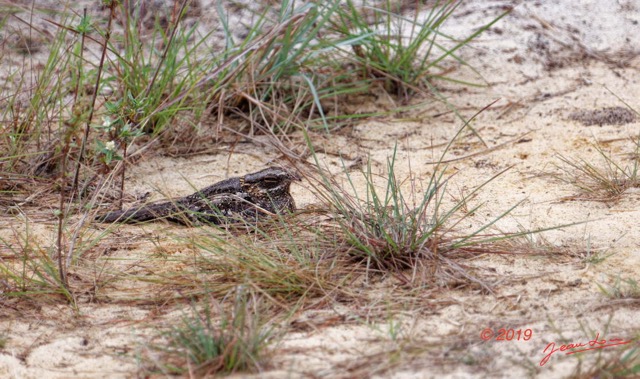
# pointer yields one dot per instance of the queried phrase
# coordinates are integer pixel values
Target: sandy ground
(544, 63)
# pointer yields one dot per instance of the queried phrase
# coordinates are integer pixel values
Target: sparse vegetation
(3, 340)
(623, 363)
(282, 260)
(607, 181)
(404, 53)
(627, 288)
(404, 228)
(217, 338)
(92, 93)
(283, 71)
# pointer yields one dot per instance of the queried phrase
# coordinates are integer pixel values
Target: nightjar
(241, 199)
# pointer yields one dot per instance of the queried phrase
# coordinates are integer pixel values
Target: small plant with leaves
(120, 130)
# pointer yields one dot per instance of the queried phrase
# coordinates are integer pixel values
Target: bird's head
(272, 181)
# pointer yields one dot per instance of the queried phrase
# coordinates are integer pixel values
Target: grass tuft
(218, 338)
(31, 271)
(606, 182)
(410, 232)
(403, 53)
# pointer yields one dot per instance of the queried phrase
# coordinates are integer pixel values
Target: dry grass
(215, 337)
(70, 134)
(606, 181)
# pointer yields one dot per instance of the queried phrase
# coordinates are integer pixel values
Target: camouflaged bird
(242, 199)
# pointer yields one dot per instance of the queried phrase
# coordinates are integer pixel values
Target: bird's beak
(295, 176)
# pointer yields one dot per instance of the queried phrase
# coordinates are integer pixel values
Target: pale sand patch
(543, 62)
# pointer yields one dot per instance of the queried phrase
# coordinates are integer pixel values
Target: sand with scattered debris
(548, 67)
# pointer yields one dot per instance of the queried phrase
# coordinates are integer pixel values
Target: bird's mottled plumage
(241, 199)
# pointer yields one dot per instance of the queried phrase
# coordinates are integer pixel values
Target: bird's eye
(270, 183)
